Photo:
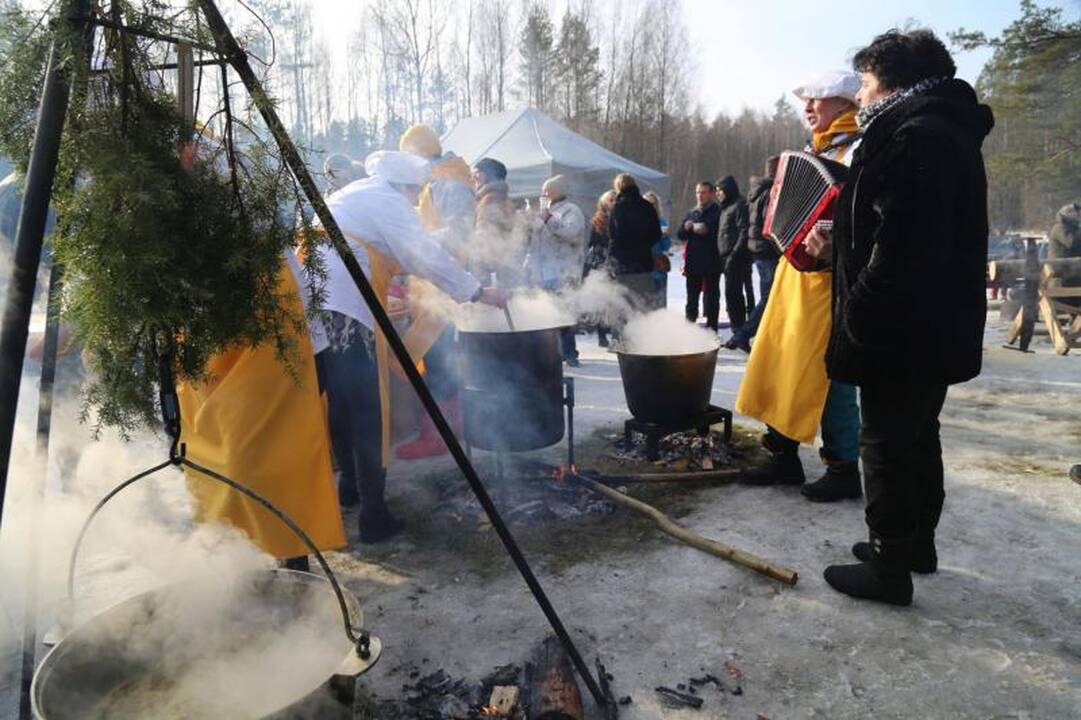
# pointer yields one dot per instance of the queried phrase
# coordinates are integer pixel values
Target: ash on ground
(433, 694)
(526, 492)
(678, 452)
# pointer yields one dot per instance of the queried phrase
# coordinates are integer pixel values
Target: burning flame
(489, 710)
(560, 473)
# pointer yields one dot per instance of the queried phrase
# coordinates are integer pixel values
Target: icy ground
(996, 633)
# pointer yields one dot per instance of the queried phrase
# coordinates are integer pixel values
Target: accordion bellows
(802, 197)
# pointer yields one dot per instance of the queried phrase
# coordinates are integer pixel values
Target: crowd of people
(860, 350)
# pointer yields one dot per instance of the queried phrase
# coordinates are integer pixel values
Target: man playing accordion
(785, 385)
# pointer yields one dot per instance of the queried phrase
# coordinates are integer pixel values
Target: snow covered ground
(996, 633)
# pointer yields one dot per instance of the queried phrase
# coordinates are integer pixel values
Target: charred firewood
(675, 698)
(553, 691)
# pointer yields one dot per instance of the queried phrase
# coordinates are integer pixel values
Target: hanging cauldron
(667, 389)
(512, 389)
(144, 658)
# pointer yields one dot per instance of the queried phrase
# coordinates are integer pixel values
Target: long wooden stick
(666, 524)
(723, 476)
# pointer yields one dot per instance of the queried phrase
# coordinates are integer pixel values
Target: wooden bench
(1052, 294)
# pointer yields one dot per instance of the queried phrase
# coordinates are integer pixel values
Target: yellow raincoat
(785, 384)
(257, 425)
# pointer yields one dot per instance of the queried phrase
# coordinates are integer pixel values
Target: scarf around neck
(870, 113)
(843, 124)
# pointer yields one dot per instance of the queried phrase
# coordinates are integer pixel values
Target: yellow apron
(428, 325)
(258, 425)
(785, 384)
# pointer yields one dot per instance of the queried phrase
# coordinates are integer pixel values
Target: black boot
(782, 468)
(841, 482)
(376, 521)
(347, 491)
(300, 562)
(884, 578)
(924, 559)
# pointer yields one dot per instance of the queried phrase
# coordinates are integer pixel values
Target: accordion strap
(839, 141)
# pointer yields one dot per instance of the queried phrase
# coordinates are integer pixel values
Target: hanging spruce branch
(172, 241)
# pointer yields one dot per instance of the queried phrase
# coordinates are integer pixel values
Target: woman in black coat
(909, 255)
(633, 229)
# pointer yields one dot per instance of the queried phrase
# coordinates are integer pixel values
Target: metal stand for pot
(653, 432)
(568, 403)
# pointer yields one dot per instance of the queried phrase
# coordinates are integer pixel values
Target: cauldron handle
(361, 639)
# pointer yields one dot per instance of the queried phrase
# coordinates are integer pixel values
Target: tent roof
(534, 147)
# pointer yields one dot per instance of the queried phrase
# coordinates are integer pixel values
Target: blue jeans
(841, 424)
(766, 269)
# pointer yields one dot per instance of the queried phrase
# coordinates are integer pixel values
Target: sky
(746, 53)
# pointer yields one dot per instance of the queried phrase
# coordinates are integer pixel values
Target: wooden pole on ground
(668, 526)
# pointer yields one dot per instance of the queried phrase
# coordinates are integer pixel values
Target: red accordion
(802, 198)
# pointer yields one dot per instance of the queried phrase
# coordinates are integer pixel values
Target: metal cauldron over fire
(514, 391)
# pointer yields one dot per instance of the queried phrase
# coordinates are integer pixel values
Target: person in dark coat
(764, 254)
(1064, 240)
(633, 230)
(909, 257)
(597, 251)
(702, 263)
(734, 225)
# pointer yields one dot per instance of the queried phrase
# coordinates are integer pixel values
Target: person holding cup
(702, 263)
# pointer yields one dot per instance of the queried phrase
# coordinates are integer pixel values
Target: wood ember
(530, 493)
(675, 698)
(678, 451)
(439, 696)
(503, 700)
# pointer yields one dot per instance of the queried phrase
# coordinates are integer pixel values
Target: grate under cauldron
(699, 448)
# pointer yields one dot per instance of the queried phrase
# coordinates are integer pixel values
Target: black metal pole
(31, 232)
(44, 429)
(239, 60)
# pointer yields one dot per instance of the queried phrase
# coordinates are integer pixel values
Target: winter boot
(841, 482)
(884, 578)
(783, 468)
(924, 559)
(376, 521)
(429, 443)
(300, 562)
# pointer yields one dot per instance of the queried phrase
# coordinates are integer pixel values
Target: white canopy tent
(534, 147)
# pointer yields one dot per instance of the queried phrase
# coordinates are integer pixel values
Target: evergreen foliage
(172, 242)
(1033, 84)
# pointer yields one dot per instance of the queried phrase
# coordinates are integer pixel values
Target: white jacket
(557, 247)
(372, 211)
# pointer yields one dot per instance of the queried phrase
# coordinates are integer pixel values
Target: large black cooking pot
(667, 389)
(512, 386)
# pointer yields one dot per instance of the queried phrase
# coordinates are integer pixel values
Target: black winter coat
(760, 246)
(633, 229)
(734, 223)
(702, 256)
(910, 245)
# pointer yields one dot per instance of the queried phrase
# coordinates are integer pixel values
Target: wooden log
(666, 524)
(553, 692)
(1050, 319)
(720, 476)
(1007, 270)
(503, 700)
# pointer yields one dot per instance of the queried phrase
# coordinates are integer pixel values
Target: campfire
(527, 492)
